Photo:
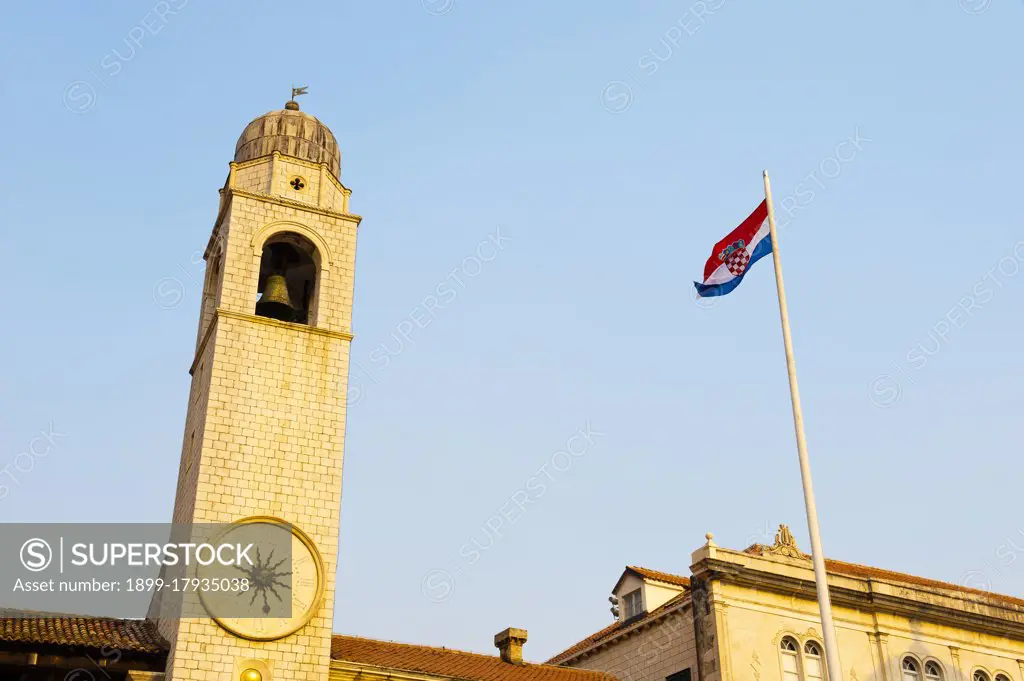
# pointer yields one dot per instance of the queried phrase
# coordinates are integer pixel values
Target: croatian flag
(734, 254)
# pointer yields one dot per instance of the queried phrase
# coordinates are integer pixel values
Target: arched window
(211, 294)
(910, 669)
(288, 278)
(980, 675)
(814, 668)
(1002, 677)
(790, 652)
(932, 671)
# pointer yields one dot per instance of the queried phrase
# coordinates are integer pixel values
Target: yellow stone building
(753, 614)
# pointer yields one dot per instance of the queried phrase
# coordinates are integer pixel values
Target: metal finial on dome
(291, 104)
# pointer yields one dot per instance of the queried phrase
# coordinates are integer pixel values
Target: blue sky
(610, 145)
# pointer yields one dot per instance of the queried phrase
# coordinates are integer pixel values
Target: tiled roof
(617, 627)
(660, 576)
(656, 575)
(138, 636)
(141, 636)
(839, 567)
(451, 663)
(589, 641)
(855, 570)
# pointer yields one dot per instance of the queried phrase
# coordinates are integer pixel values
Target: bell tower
(264, 435)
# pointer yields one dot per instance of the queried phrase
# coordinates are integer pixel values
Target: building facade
(753, 614)
(264, 434)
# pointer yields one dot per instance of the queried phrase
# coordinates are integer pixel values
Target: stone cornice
(240, 165)
(228, 192)
(202, 344)
(861, 593)
(303, 328)
(291, 203)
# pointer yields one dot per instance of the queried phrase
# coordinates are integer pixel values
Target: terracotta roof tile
(141, 636)
(138, 636)
(589, 641)
(451, 663)
(616, 627)
(855, 570)
(666, 577)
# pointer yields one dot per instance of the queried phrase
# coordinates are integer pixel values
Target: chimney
(510, 643)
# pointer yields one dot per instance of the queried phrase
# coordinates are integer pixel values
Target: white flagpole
(828, 629)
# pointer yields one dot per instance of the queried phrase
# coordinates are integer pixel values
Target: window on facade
(932, 671)
(790, 659)
(1002, 677)
(813, 667)
(633, 603)
(683, 675)
(211, 295)
(910, 670)
(980, 676)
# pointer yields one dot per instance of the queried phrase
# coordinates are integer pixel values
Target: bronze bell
(275, 302)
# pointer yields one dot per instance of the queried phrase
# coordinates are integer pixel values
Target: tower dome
(290, 132)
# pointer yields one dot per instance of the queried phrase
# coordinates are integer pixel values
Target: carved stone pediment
(785, 545)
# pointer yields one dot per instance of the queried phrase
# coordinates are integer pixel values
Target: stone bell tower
(264, 436)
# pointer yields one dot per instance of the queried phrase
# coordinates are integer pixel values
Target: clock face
(284, 591)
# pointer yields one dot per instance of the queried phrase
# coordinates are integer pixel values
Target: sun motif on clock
(285, 581)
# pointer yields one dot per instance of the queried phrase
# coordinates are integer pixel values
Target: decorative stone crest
(785, 545)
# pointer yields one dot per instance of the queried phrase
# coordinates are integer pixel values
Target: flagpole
(818, 558)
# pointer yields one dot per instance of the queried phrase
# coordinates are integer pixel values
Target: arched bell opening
(288, 278)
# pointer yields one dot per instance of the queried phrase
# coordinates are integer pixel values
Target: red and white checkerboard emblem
(737, 261)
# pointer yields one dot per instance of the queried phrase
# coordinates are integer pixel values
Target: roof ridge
(652, 573)
(458, 651)
(455, 651)
(139, 635)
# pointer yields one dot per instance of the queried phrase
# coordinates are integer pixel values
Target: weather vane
(296, 91)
